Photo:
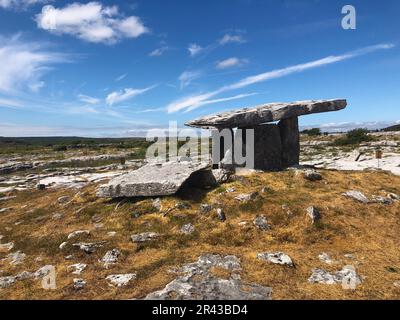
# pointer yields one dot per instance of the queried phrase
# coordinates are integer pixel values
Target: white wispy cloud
(194, 49)
(211, 101)
(121, 77)
(126, 94)
(158, 52)
(88, 99)
(9, 103)
(187, 77)
(91, 22)
(197, 100)
(231, 38)
(23, 64)
(20, 4)
(230, 63)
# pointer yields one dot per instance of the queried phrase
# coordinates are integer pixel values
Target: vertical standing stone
(267, 147)
(290, 138)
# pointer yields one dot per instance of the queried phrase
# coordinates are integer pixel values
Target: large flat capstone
(264, 113)
(151, 180)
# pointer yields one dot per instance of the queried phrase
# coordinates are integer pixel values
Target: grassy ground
(369, 232)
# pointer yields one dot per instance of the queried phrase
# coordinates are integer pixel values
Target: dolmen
(276, 145)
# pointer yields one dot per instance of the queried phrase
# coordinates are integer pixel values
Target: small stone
(356, 195)
(157, 204)
(396, 284)
(57, 216)
(187, 228)
(242, 223)
(69, 257)
(382, 200)
(16, 257)
(78, 268)
(246, 196)
(111, 257)
(393, 196)
(63, 199)
(347, 277)
(78, 233)
(111, 234)
(6, 282)
(313, 214)
(324, 257)
(205, 208)
(120, 280)
(230, 190)
(87, 247)
(43, 271)
(79, 284)
(221, 215)
(312, 175)
(63, 245)
(6, 246)
(349, 256)
(261, 222)
(276, 257)
(145, 236)
(182, 205)
(4, 210)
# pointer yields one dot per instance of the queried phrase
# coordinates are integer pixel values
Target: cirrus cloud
(126, 94)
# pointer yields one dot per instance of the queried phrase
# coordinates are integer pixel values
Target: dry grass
(369, 232)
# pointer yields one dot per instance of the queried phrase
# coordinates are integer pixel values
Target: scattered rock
(79, 284)
(324, 257)
(393, 196)
(63, 199)
(16, 257)
(382, 200)
(346, 276)
(396, 284)
(6, 282)
(312, 175)
(7, 198)
(145, 236)
(157, 204)
(4, 210)
(63, 245)
(78, 268)
(57, 216)
(120, 280)
(187, 228)
(182, 205)
(111, 257)
(246, 196)
(197, 282)
(111, 234)
(276, 257)
(356, 195)
(349, 256)
(87, 247)
(78, 233)
(6, 246)
(221, 214)
(314, 214)
(261, 223)
(205, 208)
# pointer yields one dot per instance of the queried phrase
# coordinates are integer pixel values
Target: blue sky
(118, 68)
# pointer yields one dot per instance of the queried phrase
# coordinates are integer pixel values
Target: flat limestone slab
(151, 180)
(266, 113)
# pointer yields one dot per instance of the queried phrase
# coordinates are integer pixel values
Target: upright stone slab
(290, 139)
(267, 147)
